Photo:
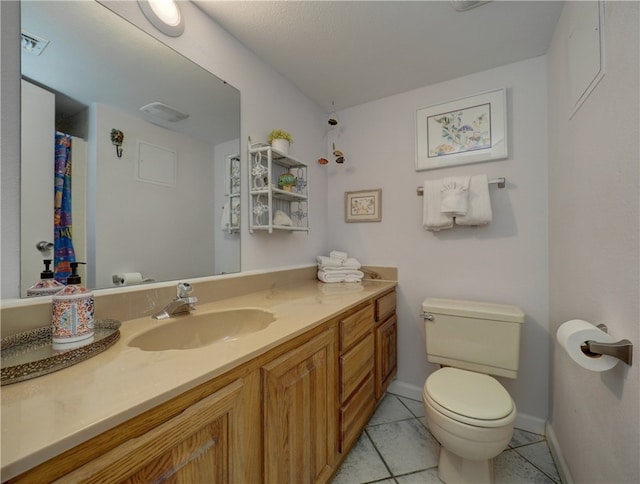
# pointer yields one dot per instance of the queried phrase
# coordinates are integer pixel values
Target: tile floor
(397, 448)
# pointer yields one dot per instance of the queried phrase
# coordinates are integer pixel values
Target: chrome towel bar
(500, 182)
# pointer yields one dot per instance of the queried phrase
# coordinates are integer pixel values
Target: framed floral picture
(467, 130)
(363, 206)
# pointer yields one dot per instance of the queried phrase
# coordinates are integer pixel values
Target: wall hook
(117, 137)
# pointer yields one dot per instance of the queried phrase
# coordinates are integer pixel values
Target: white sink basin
(197, 330)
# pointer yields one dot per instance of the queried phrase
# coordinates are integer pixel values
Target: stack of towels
(462, 200)
(339, 267)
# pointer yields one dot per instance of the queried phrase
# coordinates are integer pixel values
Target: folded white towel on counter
(348, 275)
(453, 195)
(478, 203)
(351, 263)
(325, 261)
(432, 218)
(337, 254)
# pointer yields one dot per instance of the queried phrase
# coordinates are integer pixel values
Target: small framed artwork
(363, 206)
(468, 130)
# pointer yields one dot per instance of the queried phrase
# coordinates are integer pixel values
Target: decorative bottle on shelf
(73, 319)
(47, 285)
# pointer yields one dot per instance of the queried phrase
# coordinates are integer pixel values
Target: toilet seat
(471, 398)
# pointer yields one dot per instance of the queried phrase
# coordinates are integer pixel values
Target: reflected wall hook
(117, 137)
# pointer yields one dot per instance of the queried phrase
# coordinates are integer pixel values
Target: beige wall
(594, 249)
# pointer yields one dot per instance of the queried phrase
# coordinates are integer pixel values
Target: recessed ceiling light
(164, 15)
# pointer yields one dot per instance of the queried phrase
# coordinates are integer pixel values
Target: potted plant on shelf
(280, 140)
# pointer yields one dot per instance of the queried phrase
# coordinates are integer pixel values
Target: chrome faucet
(182, 304)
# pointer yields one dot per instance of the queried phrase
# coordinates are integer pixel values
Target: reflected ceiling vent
(32, 43)
(462, 5)
(164, 112)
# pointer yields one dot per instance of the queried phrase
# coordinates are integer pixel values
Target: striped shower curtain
(63, 253)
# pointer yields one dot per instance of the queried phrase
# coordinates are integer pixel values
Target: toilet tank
(471, 335)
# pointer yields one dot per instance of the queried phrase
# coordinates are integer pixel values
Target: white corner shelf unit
(267, 199)
(232, 193)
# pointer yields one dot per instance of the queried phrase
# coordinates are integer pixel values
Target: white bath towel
(347, 275)
(453, 195)
(338, 254)
(432, 218)
(479, 203)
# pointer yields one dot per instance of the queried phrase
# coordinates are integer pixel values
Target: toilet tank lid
(473, 309)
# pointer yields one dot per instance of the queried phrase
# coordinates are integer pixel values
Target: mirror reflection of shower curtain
(63, 253)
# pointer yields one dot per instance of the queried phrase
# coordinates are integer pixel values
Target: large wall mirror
(165, 203)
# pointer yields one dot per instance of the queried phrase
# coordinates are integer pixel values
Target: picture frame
(472, 129)
(363, 206)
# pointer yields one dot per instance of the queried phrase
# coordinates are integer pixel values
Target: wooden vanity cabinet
(386, 336)
(210, 441)
(357, 363)
(299, 408)
(289, 415)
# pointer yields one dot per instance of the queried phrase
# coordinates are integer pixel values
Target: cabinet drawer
(355, 414)
(385, 306)
(355, 365)
(353, 327)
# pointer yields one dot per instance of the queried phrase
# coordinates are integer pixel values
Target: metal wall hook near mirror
(117, 138)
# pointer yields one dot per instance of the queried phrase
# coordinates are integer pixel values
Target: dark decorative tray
(32, 354)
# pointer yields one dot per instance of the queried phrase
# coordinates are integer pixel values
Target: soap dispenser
(73, 311)
(47, 285)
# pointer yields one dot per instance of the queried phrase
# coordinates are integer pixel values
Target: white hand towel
(432, 218)
(453, 195)
(337, 254)
(351, 263)
(325, 261)
(479, 203)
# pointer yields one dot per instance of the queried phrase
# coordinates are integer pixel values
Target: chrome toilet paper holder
(623, 349)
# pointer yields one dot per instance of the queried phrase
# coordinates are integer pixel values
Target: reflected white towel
(453, 195)
(432, 218)
(478, 204)
(347, 275)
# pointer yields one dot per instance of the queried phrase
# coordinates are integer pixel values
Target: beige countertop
(46, 416)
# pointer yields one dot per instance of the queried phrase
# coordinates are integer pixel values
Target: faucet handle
(184, 289)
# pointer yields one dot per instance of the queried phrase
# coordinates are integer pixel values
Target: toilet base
(453, 469)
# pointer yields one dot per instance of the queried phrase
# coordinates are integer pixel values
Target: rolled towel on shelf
(432, 218)
(454, 194)
(479, 203)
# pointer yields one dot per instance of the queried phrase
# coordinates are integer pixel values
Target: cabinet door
(386, 354)
(205, 443)
(300, 413)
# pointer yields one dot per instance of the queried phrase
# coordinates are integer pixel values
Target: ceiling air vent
(32, 43)
(164, 111)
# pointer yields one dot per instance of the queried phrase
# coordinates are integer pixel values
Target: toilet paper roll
(127, 278)
(572, 334)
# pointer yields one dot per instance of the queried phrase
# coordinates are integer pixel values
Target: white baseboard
(523, 421)
(558, 456)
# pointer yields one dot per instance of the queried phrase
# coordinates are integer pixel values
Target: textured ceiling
(351, 52)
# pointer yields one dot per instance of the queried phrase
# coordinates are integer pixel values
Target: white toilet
(469, 412)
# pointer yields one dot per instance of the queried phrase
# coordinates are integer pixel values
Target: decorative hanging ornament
(117, 137)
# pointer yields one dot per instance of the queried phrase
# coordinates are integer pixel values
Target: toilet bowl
(472, 416)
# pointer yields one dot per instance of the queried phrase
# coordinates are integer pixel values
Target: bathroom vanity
(282, 404)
